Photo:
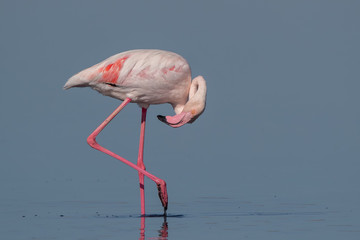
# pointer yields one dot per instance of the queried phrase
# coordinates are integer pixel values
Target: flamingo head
(194, 107)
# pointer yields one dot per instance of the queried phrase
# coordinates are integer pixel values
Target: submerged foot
(161, 185)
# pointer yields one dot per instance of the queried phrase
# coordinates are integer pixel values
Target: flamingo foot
(161, 185)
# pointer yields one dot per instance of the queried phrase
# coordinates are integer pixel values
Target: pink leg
(91, 140)
(140, 162)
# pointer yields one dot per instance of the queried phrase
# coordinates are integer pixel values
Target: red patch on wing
(111, 72)
(166, 70)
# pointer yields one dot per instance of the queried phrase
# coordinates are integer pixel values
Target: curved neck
(198, 87)
(197, 98)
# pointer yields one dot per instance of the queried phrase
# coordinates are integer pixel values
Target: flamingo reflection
(163, 232)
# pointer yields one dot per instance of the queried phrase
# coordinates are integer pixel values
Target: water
(203, 218)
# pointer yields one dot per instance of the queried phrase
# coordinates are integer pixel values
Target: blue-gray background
(282, 117)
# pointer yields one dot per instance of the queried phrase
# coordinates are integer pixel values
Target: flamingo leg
(140, 162)
(91, 140)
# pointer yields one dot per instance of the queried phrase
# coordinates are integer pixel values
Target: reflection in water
(163, 232)
(142, 228)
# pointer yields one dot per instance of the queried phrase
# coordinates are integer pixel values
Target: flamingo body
(145, 77)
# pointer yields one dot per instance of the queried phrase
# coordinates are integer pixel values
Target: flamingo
(145, 77)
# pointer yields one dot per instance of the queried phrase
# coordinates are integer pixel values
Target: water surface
(203, 218)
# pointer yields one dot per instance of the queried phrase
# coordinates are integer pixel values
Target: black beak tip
(162, 118)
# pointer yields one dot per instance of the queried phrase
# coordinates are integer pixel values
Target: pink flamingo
(145, 77)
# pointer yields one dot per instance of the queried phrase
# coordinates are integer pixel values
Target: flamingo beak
(162, 118)
(176, 121)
